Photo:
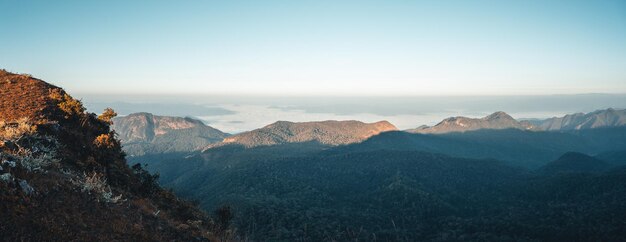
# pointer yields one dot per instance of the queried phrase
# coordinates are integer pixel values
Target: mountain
(331, 133)
(63, 176)
(598, 119)
(144, 133)
(497, 120)
(574, 162)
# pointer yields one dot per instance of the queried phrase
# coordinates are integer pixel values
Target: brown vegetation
(64, 176)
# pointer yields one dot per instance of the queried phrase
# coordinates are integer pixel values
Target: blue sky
(381, 48)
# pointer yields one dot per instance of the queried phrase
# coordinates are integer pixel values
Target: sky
(317, 48)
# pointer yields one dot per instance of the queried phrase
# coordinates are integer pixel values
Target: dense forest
(367, 191)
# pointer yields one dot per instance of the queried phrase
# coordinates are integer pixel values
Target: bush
(72, 106)
(32, 162)
(105, 141)
(6, 177)
(97, 183)
(12, 131)
(67, 103)
(107, 116)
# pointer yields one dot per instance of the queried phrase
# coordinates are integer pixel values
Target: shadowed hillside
(524, 148)
(573, 162)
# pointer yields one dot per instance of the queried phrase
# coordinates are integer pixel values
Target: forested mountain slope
(339, 194)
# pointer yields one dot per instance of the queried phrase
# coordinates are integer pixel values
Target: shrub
(6, 177)
(37, 163)
(96, 183)
(66, 103)
(14, 130)
(108, 115)
(72, 106)
(105, 141)
(35, 152)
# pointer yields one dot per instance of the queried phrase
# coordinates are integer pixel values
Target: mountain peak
(499, 115)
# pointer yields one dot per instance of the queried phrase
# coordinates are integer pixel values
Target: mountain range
(324, 132)
(497, 120)
(598, 119)
(148, 134)
(501, 120)
(287, 178)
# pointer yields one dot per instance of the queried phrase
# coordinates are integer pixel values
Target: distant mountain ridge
(145, 133)
(497, 120)
(325, 132)
(597, 119)
(500, 120)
